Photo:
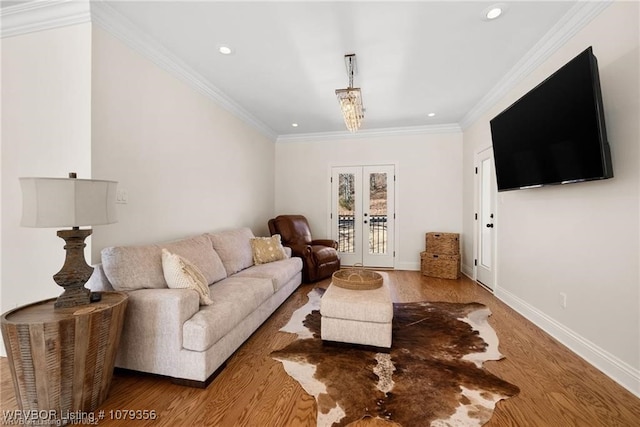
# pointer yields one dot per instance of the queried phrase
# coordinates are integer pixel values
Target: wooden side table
(62, 360)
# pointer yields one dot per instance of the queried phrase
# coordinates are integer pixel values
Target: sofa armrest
(160, 312)
(98, 281)
(152, 332)
(287, 251)
(301, 250)
(325, 242)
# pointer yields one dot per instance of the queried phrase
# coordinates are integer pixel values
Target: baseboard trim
(467, 271)
(409, 266)
(618, 370)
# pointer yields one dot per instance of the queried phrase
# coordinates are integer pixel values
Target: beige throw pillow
(181, 274)
(267, 249)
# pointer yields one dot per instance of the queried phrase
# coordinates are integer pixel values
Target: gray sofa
(166, 331)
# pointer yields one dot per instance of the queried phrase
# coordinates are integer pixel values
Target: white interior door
(363, 214)
(486, 218)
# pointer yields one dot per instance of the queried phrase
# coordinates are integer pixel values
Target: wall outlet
(121, 196)
(563, 300)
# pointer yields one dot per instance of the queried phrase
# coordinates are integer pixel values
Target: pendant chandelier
(350, 99)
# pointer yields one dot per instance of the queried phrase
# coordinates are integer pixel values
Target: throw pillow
(181, 274)
(267, 249)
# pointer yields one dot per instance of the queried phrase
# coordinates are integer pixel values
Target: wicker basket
(441, 266)
(443, 243)
(357, 279)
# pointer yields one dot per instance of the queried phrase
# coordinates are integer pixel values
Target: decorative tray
(357, 279)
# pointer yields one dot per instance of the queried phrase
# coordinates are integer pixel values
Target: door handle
(489, 225)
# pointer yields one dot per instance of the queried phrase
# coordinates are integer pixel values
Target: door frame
(396, 216)
(477, 225)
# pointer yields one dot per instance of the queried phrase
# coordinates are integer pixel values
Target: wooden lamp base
(75, 272)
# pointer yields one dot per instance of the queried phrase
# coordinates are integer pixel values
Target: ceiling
(413, 58)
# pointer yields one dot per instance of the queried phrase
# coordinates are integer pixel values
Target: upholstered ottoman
(357, 316)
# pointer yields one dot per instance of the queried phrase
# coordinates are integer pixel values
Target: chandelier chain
(350, 71)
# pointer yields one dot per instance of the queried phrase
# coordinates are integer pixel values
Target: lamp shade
(67, 202)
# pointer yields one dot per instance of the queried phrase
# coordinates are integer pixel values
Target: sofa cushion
(140, 267)
(234, 298)
(267, 249)
(198, 250)
(133, 267)
(234, 248)
(179, 273)
(280, 272)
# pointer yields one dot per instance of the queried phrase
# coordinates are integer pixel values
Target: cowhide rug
(432, 376)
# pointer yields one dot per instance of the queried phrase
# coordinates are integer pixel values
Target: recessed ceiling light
(494, 11)
(225, 50)
(295, 125)
(431, 114)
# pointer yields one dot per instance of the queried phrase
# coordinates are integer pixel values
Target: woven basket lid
(357, 279)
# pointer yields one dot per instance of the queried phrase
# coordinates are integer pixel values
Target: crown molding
(573, 21)
(40, 15)
(120, 27)
(370, 133)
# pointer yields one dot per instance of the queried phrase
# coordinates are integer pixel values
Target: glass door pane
(377, 218)
(346, 212)
(377, 213)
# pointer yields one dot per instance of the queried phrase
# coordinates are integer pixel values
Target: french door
(486, 221)
(363, 214)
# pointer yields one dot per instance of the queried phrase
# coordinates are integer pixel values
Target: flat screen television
(555, 134)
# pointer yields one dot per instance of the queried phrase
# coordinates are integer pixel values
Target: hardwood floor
(557, 387)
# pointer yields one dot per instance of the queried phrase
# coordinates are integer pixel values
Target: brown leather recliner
(319, 257)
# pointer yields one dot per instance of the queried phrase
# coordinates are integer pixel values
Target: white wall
(580, 239)
(428, 187)
(187, 165)
(46, 104)
(78, 100)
